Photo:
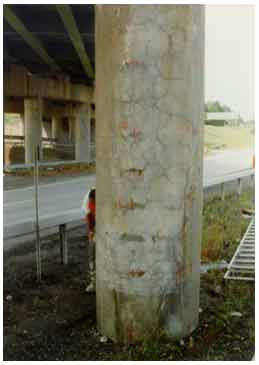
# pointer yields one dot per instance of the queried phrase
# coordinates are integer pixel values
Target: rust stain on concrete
(136, 273)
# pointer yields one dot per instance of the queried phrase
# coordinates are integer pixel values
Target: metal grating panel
(242, 265)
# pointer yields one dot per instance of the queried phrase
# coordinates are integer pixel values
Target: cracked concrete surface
(149, 106)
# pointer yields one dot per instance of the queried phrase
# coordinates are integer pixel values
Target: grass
(227, 137)
(59, 317)
(224, 226)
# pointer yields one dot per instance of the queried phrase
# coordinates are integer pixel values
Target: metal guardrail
(229, 177)
(27, 226)
(48, 221)
(61, 220)
(53, 163)
(225, 182)
(43, 164)
(21, 138)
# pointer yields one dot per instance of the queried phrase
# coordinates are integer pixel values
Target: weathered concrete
(71, 129)
(82, 132)
(32, 127)
(13, 105)
(149, 134)
(56, 127)
(18, 82)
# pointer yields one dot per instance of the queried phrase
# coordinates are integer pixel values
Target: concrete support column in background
(149, 135)
(57, 127)
(23, 124)
(32, 127)
(71, 129)
(82, 132)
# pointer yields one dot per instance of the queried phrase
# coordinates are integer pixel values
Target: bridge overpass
(148, 75)
(49, 73)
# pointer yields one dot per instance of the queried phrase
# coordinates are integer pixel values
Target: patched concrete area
(149, 168)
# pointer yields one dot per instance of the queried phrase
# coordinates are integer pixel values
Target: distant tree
(216, 107)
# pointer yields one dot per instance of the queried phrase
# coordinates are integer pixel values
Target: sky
(229, 57)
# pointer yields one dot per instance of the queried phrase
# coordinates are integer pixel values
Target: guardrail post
(239, 188)
(252, 179)
(36, 199)
(222, 191)
(63, 244)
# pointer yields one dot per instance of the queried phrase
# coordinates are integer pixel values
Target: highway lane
(59, 197)
(54, 199)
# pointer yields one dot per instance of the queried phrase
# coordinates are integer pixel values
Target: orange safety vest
(90, 217)
(91, 206)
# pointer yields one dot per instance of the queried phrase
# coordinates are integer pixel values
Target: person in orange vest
(89, 208)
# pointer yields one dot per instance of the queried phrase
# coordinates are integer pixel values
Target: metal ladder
(242, 265)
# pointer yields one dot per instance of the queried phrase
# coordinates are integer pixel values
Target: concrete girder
(19, 83)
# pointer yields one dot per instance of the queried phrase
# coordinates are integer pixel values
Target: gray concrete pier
(82, 131)
(56, 127)
(149, 135)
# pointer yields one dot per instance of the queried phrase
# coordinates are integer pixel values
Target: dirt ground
(55, 320)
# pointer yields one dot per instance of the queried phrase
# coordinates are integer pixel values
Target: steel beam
(69, 21)
(28, 37)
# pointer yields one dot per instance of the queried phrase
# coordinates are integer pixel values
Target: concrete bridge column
(57, 127)
(32, 127)
(71, 129)
(149, 135)
(82, 130)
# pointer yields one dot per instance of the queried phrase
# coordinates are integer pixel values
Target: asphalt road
(57, 198)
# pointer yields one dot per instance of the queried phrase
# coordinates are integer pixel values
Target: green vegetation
(219, 336)
(216, 107)
(227, 137)
(45, 327)
(224, 226)
(219, 137)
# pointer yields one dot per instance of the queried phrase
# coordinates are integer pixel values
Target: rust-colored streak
(190, 196)
(120, 204)
(125, 205)
(134, 172)
(135, 133)
(136, 273)
(133, 62)
(180, 274)
(130, 333)
(124, 125)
